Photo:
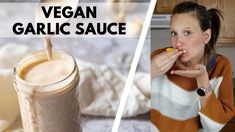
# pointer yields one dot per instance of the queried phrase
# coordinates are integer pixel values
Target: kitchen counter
(139, 123)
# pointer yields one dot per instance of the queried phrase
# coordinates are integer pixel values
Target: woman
(192, 84)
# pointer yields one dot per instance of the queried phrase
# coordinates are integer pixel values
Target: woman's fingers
(165, 55)
(164, 61)
(169, 57)
(164, 68)
(186, 73)
(175, 55)
(196, 72)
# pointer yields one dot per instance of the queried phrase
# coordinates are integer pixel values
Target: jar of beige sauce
(47, 92)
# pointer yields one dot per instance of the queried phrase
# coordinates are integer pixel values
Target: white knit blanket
(100, 88)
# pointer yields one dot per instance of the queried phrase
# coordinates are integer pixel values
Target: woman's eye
(173, 33)
(186, 33)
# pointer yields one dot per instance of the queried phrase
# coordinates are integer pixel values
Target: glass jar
(51, 107)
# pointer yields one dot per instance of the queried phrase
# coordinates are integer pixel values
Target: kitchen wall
(160, 38)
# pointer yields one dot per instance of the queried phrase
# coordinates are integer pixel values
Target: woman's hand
(161, 63)
(199, 73)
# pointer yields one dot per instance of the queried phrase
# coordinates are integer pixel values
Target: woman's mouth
(184, 51)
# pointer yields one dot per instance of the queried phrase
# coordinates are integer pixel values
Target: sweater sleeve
(219, 108)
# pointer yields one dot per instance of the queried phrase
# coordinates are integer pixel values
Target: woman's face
(187, 35)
